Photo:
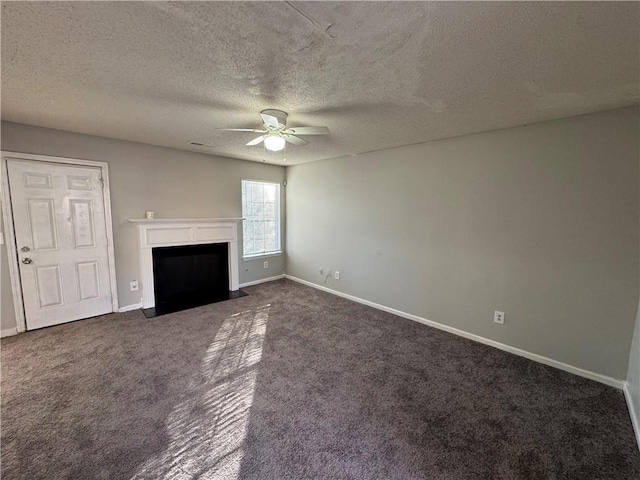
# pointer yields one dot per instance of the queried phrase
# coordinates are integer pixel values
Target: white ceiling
(379, 74)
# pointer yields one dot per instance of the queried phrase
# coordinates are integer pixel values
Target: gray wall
(173, 183)
(7, 315)
(633, 375)
(538, 221)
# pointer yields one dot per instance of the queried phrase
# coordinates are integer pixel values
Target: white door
(60, 229)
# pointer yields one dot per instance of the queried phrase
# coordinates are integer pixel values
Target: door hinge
(101, 182)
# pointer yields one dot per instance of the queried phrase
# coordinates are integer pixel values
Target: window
(261, 212)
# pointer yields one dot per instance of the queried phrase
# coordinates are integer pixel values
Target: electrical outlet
(133, 285)
(336, 275)
(266, 264)
(498, 317)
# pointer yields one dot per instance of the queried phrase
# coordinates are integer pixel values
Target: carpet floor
(294, 383)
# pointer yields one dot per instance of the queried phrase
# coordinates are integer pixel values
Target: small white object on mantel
(169, 232)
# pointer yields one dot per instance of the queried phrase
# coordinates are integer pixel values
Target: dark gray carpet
(292, 383)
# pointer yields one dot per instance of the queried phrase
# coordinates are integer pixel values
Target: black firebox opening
(189, 276)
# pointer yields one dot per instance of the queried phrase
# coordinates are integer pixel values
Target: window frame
(278, 220)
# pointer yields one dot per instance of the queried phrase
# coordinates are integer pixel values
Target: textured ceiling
(379, 74)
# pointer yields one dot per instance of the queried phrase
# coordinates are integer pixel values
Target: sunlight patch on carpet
(207, 430)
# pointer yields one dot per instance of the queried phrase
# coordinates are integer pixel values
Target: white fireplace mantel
(169, 232)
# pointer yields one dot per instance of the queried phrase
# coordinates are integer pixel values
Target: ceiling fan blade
(295, 140)
(255, 141)
(308, 130)
(270, 120)
(242, 130)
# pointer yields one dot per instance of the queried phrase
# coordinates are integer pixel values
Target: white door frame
(12, 249)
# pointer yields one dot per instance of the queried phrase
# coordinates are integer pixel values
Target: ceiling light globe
(275, 143)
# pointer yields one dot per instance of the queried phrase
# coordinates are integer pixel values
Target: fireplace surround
(170, 232)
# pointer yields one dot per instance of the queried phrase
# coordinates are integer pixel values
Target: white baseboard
(619, 384)
(262, 280)
(8, 332)
(632, 412)
(130, 308)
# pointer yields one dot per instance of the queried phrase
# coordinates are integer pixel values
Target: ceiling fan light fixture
(275, 134)
(274, 142)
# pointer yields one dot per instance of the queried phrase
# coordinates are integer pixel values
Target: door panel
(37, 180)
(60, 228)
(76, 182)
(89, 280)
(49, 283)
(43, 224)
(82, 221)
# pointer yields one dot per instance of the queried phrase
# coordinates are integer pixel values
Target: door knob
(27, 261)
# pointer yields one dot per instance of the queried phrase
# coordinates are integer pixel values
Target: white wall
(538, 221)
(173, 183)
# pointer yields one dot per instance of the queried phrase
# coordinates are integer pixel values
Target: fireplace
(166, 243)
(190, 275)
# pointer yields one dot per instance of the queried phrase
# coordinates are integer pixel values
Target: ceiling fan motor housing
(279, 114)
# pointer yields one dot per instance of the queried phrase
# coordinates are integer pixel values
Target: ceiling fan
(275, 133)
